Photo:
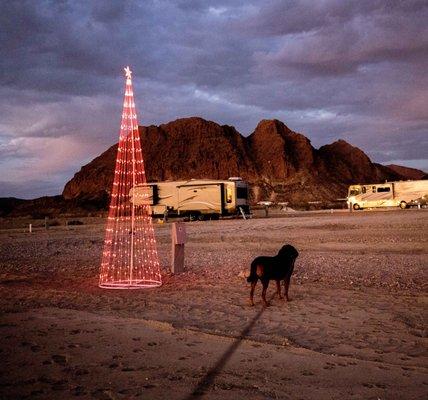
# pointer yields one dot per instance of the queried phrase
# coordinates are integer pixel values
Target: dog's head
(288, 251)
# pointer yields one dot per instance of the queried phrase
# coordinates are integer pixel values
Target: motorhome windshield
(354, 191)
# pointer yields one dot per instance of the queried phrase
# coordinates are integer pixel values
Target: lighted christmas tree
(130, 259)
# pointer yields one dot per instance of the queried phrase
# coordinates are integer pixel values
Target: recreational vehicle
(390, 194)
(196, 198)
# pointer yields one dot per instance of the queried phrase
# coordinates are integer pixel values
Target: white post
(178, 236)
(30, 228)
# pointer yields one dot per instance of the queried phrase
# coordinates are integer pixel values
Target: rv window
(374, 189)
(364, 189)
(241, 192)
(383, 189)
(229, 195)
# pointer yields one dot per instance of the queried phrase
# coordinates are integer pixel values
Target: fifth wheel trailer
(198, 198)
(389, 194)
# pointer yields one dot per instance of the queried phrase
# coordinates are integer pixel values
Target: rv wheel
(201, 217)
(195, 216)
(403, 205)
(356, 206)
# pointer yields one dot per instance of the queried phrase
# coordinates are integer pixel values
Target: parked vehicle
(401, 194)
(196, 198)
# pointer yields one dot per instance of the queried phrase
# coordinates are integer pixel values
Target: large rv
(196, 198)
(390, 194)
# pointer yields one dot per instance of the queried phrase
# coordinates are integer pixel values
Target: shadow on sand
(208, 379)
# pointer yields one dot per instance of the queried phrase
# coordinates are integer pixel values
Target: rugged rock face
(280, 164)
(348, 164)
(193, 147)
(408, 173)
(278, 152)
(94, 179)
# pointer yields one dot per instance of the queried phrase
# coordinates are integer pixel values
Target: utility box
(178, 233)
(178, 238)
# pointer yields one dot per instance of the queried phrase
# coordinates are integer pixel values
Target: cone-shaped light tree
(130, 259)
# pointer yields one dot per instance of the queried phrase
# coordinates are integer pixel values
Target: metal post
(242, 212)
(133, 206)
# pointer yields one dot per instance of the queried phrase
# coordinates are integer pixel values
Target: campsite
(355, 328)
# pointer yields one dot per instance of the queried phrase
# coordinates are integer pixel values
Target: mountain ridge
(279, 164)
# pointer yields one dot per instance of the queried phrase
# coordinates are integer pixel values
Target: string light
(130, 259)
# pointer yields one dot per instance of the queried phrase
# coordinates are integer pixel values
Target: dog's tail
(253, 272)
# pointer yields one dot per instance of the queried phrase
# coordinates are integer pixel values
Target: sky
(352, 70)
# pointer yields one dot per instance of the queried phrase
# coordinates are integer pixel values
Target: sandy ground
(356, 328)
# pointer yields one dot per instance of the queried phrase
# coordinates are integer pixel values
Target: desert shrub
(40, 215)
(74, 222)
(302, 206)
(337, 205)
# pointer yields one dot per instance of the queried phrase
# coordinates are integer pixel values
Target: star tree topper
(128, 72)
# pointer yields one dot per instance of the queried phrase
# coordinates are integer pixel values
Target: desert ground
(356, 327)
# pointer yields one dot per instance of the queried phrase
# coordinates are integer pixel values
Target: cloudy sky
(356, 70)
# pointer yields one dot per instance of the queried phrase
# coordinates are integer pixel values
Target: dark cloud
(383, 36)
(330, 69)
(108, 12)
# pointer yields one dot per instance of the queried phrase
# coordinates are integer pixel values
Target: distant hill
(408, 173)
(280, 165)
(51, 206)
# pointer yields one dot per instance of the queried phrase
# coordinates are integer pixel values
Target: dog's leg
(278, 289)
(265, 286)
(253, 286)
(288, 278)
(287, 286)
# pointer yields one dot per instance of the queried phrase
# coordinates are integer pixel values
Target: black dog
(277, 268)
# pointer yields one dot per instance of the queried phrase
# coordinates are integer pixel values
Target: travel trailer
(196, 198)
(401, 194)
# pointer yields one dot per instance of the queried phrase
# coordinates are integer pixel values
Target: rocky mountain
(280, 164)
